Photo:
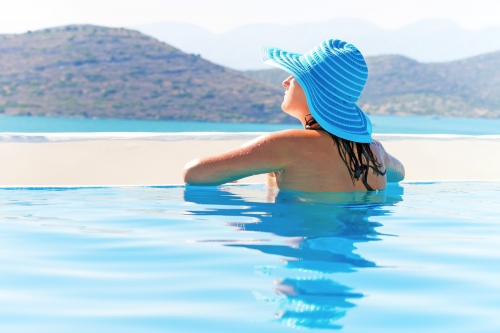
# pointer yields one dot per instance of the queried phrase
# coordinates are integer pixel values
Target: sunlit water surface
(418, 257)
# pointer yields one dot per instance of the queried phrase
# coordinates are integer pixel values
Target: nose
(286, 82)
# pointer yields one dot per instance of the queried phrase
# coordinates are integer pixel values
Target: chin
(283, 106)
(285, 109)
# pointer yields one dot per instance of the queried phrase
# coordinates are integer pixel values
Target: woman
(334, 153)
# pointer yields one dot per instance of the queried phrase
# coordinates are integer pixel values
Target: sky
(19, 16)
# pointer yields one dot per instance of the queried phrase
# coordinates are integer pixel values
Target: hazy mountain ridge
(91, 71)
(398, 85)
(430, 40)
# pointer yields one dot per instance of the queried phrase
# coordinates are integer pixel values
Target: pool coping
(62, 160)
(4, 187)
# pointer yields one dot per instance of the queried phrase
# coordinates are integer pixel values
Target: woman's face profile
(294, 101)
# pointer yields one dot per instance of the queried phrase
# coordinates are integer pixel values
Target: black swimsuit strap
(311, 122)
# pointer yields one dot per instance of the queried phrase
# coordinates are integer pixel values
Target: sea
(381, 124)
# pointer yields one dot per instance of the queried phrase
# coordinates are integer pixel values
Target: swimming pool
(418, 257)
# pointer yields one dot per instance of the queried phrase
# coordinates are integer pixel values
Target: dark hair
(358, 157)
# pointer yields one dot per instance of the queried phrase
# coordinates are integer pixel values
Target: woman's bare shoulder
(293, 134)
(281, 138)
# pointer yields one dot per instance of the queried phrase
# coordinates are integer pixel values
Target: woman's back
(316, 166)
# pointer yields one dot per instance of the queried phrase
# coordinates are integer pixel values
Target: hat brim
(343, 119)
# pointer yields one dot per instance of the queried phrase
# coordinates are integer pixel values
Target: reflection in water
(320, 232)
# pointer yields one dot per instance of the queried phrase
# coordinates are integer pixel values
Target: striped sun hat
(332, 76)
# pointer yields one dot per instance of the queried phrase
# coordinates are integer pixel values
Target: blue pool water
(418, 257)
(381, 124)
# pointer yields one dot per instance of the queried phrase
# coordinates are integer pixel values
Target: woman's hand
(395, 169)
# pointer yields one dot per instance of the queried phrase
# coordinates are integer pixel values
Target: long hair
(358, 157)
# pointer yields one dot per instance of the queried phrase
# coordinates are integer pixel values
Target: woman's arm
(395, 169)
(264, 154)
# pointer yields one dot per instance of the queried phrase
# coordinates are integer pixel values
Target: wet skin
(302, 160)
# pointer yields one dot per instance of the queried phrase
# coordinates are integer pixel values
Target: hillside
(401, 86)
(90, 71)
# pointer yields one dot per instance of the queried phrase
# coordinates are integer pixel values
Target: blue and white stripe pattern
(332, 75)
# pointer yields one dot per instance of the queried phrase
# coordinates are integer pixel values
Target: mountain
(91, 71)
(430, 40)
(402, 86)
